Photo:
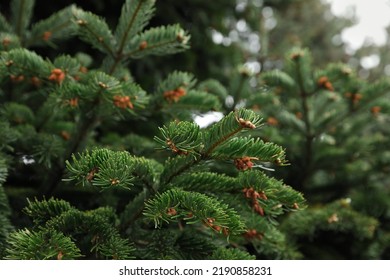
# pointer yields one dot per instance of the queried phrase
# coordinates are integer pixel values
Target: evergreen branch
(58, 26)
(16, 113)
(3, 176)
(95, 31)
(83, 128)
(162, 244)
(214, 87)
(278, 78)
(6, 229)
(21, 13)
(106, 86)
(8, 136)
(146, 171)
(101, 86)
(206, 182)
(41, 245)
(198, 101)
(212, 137)
(300, 64)
(239, 147)
(42, 211)
(102, 168)
(180, 137)
(158, 41)
(69, 65)
(107, 169)
(134, 17)
(338, 217)
(230, 254)
(273, 191)
(47, 149)
(375, 91)
(176, 80)
(229, 126)
(133, 210)
(5, 209)
(9, 41)
(193, 207)
(268, 240)
(176, 166)
(238, 90)
(4, 24)
(23, 62)
(117, 248)
(194, 245)
(95, 231)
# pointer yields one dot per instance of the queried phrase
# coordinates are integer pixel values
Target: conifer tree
(75, 147)
(349, 177)
(334, 126)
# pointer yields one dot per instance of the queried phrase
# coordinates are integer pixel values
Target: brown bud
(171, 211)
(143, 45)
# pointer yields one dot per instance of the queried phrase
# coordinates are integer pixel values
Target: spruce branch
(96, 232)
(48, 148)
(44, 210)
(133, 210)
(215, 88)
(8, 136)
(301, 61)
(4, 25)
(18, 62)
(69, 65)
(229, 126)
(16, 113)
(194, 245)
(180, 138)
(21, 13)
(175, 81)
(338, 216)
(105, 169)
(135, 15)
(59, 26)
(9, 41)
(95, 31)
(272, 192)
(239, 147)
(230, 254)
(211, 139)
(206, 182)
(41, 245)
(102, 168)
(193, 207)
(158, 41)
(276, 78)
(175, 166)
(194, 100)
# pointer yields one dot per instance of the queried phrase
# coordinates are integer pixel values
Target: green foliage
(134, 17)
(58, 26)
(21, 14)
(230, 254)
(52, 117)
(338, 217)
(43, 244)
(192, 207)
(95, 31)
(85, 114)
(330, 122)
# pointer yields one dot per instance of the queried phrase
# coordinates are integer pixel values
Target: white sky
(373, 17)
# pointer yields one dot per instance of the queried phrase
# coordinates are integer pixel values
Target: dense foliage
(100, 156)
